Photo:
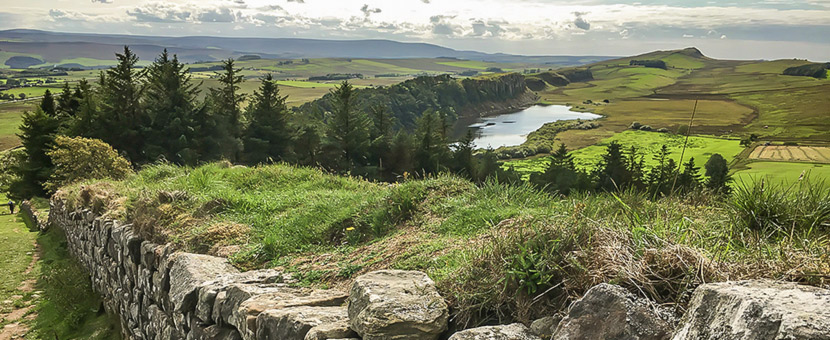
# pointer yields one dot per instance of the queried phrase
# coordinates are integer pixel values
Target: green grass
(69, 308)
(17, 245)
(305, 84)
(647, 143)
(10, 114)
(781, 172)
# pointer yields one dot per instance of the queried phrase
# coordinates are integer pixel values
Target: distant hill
(55, 46)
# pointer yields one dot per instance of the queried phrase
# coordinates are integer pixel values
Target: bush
(78, 159)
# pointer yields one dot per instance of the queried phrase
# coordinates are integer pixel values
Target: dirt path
(15, 327)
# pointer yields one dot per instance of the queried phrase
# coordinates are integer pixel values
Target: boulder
(188, 272)
(330, 331)
(514, 331)
(756, 309)
(545, 327)
(611, 312)
(294, 323)
(396, 304)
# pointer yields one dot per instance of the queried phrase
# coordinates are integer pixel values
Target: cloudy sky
(739, 29)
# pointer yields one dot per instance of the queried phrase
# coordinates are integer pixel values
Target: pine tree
(225, 104)
(69, 102)
(307, 144)
(430, 154)
(170, 99)
(381, 135)
(84, 122)
(348, 129)
(47, 104)
(37, 134)
(689, 179)
(660, 176)
(464, 162)
(121, 114)
(717, 172)
(635, 163)
(612, 173)
(561, 175)
(401, 158)
(266, 136)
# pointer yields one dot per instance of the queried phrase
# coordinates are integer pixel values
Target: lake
(512, 128)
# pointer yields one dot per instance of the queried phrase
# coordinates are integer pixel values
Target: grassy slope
(785, 172)
(475, 242)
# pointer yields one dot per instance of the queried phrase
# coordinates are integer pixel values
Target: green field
(785, 172)
(10, 121)
(648, 144)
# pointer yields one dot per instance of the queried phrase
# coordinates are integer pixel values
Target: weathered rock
(188, 272)
(610, 312)
(332, 330)
(396, 304)
(545, 327)
(208, 290)
(244, 318)
(294, 323)
(212, 332)
(757, 309)
(514, 331)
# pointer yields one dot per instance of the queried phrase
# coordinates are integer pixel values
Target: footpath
(19, 265)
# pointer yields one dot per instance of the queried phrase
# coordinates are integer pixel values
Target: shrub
(800, 207)
(78, 159)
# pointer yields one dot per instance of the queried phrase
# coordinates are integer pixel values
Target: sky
(739, 29)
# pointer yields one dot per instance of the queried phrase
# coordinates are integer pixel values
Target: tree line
(154, 114)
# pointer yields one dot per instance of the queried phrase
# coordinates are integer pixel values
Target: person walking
(11, 207)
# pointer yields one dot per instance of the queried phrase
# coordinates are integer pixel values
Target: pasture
(782, 172)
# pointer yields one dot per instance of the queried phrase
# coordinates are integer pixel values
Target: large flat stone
(396, 304)
(294, 323)
(514, 331)
(758, 309)
(188, 272)
(244, 317)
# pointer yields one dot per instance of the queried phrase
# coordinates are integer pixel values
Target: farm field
(815, 154)
(648, 144)
(10, 121)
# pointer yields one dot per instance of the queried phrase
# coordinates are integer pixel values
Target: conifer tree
(69, 101)
(432, 147)
(121, 114)
(401, 157)
(612, 173)
(266, 136)
(464, 162)
(348, 129)
(47, 104)
(561, 175)
(381, 135)
(689, 178)
(170, 99)
(37, 134)
(225, 104)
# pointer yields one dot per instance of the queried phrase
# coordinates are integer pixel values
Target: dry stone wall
(160, 294)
